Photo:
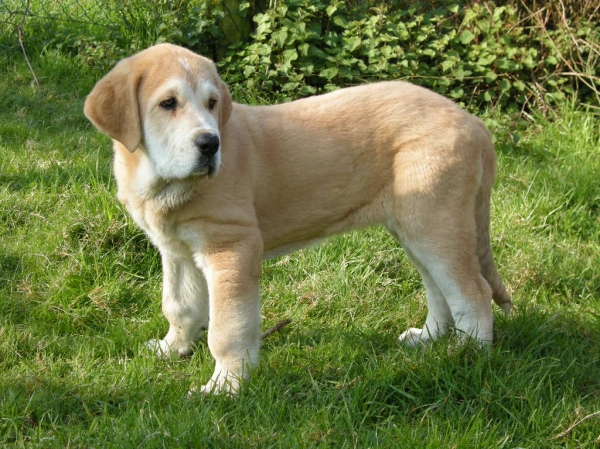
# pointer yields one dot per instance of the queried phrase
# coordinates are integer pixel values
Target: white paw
(159, 347)
(163, 349)
(414, 337)
(222, 382)
(220, 389)
(227, 388)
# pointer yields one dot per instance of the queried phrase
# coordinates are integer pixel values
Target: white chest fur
(151, 200)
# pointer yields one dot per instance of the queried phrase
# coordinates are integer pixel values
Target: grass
(80, 288)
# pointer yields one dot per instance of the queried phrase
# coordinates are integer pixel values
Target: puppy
(218, 186)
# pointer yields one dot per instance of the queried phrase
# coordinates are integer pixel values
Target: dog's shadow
(531, 347)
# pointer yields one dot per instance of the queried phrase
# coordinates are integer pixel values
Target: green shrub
(518, 55)
(479, 54)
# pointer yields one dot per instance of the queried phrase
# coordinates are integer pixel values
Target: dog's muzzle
(208, 145)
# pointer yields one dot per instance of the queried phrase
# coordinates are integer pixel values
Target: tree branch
(275, 328)
(20, 34)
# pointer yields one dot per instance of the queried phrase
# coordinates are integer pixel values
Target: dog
(218, 186)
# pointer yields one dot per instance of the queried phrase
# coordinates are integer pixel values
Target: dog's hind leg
(439, 315)
(445, 254)
(433, 215)
(457, 295)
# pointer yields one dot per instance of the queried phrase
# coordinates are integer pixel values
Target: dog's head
(170, 103)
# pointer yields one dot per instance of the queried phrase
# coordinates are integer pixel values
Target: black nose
(207, 144)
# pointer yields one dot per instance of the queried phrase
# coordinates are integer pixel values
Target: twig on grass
(585, 418)
(275, 328)
(20, 36)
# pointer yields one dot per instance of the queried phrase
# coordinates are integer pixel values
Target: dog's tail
(482, 217)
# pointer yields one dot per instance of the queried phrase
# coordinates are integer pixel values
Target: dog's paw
(163, 349)
(159, 347)
(414, 337)
(227, 388)
(222, 382)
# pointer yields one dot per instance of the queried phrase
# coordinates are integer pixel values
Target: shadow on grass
(11, 266)
(38, 178)
(32, 405)
(540, 360)
(533, 349)
(12, 273)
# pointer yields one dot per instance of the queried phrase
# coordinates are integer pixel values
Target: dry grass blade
(568, 431)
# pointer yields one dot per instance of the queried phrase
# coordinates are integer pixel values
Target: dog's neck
(138, 181)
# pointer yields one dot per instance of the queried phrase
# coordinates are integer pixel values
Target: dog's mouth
(206, 166)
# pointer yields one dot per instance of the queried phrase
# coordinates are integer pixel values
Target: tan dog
(218, 186)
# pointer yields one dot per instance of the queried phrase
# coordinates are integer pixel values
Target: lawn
(80, 294)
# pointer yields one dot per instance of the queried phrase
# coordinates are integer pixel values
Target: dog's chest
(166, 234)
(155, 212)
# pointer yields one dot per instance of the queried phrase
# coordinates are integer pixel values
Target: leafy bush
(479, 54)
(515, 54)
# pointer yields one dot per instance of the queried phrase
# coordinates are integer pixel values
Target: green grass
(80, 294)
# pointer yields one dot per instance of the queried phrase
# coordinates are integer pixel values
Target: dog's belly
(290, 248)
(299, 224)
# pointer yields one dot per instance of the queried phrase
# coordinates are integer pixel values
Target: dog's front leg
(232, 271)
(184, 304)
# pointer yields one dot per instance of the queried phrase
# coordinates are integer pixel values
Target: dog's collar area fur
(147, 186)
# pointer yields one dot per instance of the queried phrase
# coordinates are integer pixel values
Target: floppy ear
(112, 105)
(226, 104)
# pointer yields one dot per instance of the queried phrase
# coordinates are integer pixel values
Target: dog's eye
(169, 104)
(211, 104)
